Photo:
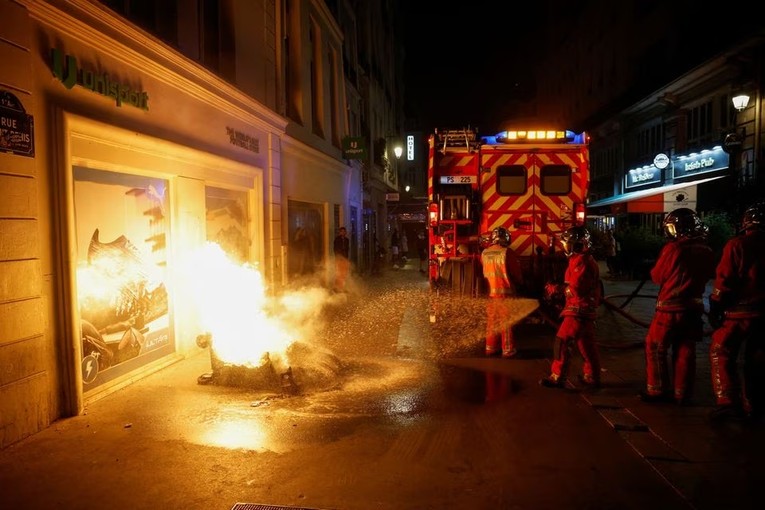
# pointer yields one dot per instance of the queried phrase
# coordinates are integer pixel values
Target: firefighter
(737, 312)
(682, 270)
(502, 271)
(583, 293)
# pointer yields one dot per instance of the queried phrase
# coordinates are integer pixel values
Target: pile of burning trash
(300, 369)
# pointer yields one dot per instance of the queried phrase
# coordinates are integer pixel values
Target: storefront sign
(409, 147)
(70, 75)
(354, 147)
(641, 176)
(683, 197)
(16, 127)
(661, 161)
(243, 140)
(708, 160)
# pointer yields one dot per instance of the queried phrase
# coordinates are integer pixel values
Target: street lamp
(740, 101)
(398, 150)
(733, 142)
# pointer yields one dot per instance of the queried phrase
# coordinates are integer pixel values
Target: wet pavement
(413, 421)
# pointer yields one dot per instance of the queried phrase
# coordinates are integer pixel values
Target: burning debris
(302, 368)
(256, 340)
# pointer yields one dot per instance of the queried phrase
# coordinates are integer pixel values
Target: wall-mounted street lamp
(398, 150)
(740, 101)
(733, 142)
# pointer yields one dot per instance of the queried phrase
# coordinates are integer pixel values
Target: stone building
(139, 134)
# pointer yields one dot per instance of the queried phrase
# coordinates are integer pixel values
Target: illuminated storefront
(667, 183)
(120, 160)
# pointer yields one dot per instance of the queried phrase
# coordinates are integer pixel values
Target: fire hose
(608, 303)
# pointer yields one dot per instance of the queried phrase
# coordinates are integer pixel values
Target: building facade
(657, 104)
(131, 138)
(686, 144)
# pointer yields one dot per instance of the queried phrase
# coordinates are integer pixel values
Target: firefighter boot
(727, 412)
(559, 367)
(552, 381)
(589, 382)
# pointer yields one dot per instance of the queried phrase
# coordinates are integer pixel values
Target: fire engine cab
(532, 182)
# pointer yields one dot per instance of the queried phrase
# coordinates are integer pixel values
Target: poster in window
(122, 228)
(227, 222)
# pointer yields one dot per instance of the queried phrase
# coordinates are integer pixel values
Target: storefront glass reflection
(122, 227)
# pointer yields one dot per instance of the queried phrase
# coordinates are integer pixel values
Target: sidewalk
(709, 462)
(150, 441)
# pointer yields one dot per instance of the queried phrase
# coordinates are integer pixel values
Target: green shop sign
(354, 147)
(100, 83)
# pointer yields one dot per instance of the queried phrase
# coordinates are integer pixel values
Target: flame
(113, 282)
(232, 304)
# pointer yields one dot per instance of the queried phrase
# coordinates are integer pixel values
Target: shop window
(122, 226)
(306, 238)
(227, 222)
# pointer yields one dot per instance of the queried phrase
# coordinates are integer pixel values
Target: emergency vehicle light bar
(520, 136)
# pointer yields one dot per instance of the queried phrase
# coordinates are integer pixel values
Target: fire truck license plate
(459, 179)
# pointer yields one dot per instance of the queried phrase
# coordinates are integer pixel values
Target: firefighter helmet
(754, 216)
(500, 236)
(575, 240)
(683, 222)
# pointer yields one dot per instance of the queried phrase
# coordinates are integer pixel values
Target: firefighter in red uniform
(583, 293)
(502, 271)
(737, 311)
(684, 266)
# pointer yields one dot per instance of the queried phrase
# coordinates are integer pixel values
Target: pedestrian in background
(682, 270)
(404, 248)
(583, 293)
(394, 247)
(502, 271)
(611, 252)
(341, 247)
(737, 311)
(422, 250)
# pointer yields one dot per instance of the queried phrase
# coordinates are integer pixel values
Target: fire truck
(534, 183)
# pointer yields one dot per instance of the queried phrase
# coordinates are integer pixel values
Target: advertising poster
(122, 228)
(227, 222)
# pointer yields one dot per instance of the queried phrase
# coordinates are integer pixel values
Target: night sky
(465, 63)
(458, 67)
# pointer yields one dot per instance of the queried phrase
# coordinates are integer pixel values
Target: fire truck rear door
(531, 193)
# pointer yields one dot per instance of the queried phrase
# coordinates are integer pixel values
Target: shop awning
(637, 195)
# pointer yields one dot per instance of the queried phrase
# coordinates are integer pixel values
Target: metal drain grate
(256, 506)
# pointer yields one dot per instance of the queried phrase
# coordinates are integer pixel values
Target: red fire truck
(533, 183)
